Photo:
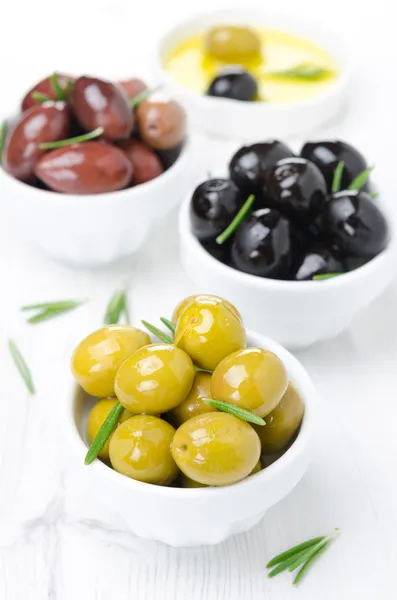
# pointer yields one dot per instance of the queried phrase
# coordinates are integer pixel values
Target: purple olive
(48, 122)
(99, 103)
(145, 163)
(45, 87)
(86, 168)
(133, 87)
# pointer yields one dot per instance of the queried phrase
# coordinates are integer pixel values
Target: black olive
(317, 261)
(213, 206)
(262, 245)
(355, 225)
(170, 156)
(326, 155)
(235, 83)
(219, 251)
(249, 165)
(296, 188)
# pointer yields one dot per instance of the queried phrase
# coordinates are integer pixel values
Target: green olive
(253, 379)
(282, 423)
(257, 468)
(186, 482)
(97, 417)
(208, 331)
(193, 405)
(233, 44)
(98, 357)
(140, 449)
(155, 379)
(216, 449)
(182, 306)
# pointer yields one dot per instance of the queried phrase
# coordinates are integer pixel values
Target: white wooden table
(56, 545)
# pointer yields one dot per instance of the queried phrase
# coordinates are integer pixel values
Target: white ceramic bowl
(253, 120)
(296, 314)
(197, 516)
(94, 230)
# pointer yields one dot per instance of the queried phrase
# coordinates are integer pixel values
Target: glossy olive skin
(45, 87)
(145, 163)
(132, 87)
(98, 416)
(235, 83)
(98, 357)
(85, 168)
(213, 206)
(216, 449)
(249, 164)
(48, 122)
(183, 304)
(233, 44)
(193, 404)
(282, 423)
(253, 379)
(155, 379)
(318, 260)
(99, 103)
(296, 188)
(262, 245)
(186, 482)
(209, 331)
(161, 124)
(327, 154)
(140, 449)
(355, 225)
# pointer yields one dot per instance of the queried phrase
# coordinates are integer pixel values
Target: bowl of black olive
(303, 240)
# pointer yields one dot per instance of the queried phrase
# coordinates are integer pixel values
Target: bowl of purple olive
(302, 240)
(88, 164)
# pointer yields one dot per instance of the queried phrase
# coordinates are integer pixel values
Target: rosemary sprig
(117, 307)
(169, 324)
(373, 195)
(49, 310)
(238, 219)
(303, 71)
(85, 137)
(158, 333)
(303, 555)
(3, 133)
(337, 179)
(40, 97)
(105, 431)
(135, 102)
(62, 93)
(322, 276)
(236, 411)
(21, 365)
(361, 178)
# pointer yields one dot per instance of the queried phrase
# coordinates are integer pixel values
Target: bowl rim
(248, 15)
(300, 287)
(132, 193)
(299, 377)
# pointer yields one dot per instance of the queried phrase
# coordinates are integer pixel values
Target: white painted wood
(53, 544)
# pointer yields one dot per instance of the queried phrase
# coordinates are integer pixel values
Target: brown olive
(99, 103)
(145, 163)
(161, 124)
(133, 87)
(87, 168)
(45, 123)
(45, 87)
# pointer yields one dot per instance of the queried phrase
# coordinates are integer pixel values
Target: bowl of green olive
(191, 439)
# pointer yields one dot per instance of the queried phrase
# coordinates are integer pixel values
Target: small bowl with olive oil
(246, 73)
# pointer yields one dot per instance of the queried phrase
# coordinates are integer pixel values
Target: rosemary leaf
(49, 310)
(323, 276)
(236, 411)
(337, 179)
(304, 71)
(238, 219)
(359, 181)
(308, 554)
(293, 551)
(3, 133)
(116, 308)
(85, 137)
(104, 433)
(40, 97)
(169, 324)
(56, 86)
(308, 563)
(21, 366)
(295, 559)
(374, 195)
(158, 333)
(135, 102)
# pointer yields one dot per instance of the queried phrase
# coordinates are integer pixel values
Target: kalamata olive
(213, 205)
(249, 165)
(233, 44)
(161, 123)
(326, 155)
(145, 163)
(47, 122)
(235, 83)
(262, 245)
(319, 260)
(99, 103)
(133, 87)
(45, 87)
(296, 188)
(86, 168)
(354, 224)
(170, 156)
